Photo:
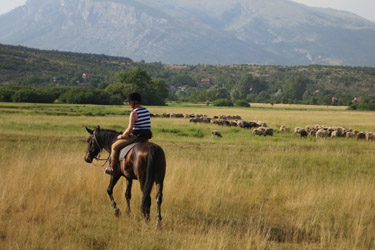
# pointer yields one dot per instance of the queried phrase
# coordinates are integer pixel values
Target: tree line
(249, 89)
(153, 91)
(51, 76)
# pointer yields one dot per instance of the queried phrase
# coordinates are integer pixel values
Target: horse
(144, 162)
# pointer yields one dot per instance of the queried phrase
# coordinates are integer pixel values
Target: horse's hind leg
(128, 193)
(146, 204)
(146, 201)
(159, 200)
(112, 184)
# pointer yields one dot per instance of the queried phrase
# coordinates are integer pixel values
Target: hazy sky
(8, 5)
(365, 8)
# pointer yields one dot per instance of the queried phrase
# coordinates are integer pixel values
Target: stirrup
(109, 171)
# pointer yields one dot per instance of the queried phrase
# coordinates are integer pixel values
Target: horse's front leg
(112, 183)
(128, 193)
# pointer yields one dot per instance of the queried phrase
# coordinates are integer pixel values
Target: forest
(32, 75)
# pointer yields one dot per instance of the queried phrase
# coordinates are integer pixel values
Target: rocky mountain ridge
(269, 32)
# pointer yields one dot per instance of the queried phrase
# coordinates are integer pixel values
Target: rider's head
(133, 98)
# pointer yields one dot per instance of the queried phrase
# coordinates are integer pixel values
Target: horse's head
(93, 148)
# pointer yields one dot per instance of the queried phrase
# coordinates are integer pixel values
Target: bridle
(97, 157)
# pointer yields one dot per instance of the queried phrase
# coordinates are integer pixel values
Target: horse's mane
(109, 131)
(106, 136)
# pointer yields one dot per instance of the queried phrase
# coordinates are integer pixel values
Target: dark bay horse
(145, 162)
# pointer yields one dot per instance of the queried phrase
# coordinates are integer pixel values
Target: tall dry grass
(238, 192)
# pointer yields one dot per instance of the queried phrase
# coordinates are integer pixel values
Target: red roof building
(357, 99)
(335, 99)
(87, 75)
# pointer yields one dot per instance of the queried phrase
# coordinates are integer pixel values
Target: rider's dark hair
(134, 96)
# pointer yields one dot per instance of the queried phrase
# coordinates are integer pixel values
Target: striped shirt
(143, 121)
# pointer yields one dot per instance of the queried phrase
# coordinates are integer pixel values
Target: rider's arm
(133, 117)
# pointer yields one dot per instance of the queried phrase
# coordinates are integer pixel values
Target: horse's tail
(152, 160)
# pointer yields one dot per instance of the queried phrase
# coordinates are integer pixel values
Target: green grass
(236, 192)
(63, 109)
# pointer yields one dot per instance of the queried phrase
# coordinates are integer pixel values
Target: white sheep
(258, 132)
(322, 133)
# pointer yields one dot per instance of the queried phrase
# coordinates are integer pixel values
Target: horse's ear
(89, 130)
(98, 128)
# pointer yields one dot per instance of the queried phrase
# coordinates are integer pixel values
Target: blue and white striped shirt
(143, 121)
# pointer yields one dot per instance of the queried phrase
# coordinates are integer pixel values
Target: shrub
(33, 95)
(241, 103)
(6, 94)
(222, 102)
(86, 96)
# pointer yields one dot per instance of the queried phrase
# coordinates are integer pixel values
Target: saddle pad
(124, 152)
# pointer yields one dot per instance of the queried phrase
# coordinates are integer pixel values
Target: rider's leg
(115, 151)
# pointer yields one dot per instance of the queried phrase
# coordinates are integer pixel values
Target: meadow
(235, 192)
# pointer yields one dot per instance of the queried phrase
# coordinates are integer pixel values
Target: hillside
(273, 32)
(24, 66)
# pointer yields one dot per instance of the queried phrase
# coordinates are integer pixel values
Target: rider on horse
(139, 128)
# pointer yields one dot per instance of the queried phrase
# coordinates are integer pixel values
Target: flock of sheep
(222, 120)
(321, 131)
(261, 128)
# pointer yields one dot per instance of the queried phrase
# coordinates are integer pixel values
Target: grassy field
(235, 192)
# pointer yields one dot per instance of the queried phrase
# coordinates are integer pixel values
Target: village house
(357, 99)
(204, 82)
(182, 88)
(87, 75)
(335, 99)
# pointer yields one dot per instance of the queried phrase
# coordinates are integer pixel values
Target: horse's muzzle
(88, 160)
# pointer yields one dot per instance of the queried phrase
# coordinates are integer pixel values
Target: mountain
(194, 32)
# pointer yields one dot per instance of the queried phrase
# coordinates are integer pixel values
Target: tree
(367, 103)
(157, 92)
(294, 88)
(180, 80)
(6, 94)
(137, 77)
(236, 94)
(263, 97)
(194, 94)
(248, 83)
(120, 89)
(217, 93)
(153, 91)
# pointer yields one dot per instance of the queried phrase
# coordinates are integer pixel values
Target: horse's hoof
(158, 225)
(117, 212)
(147, 219)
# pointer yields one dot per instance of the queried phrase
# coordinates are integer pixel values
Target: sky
(364, 8)
(8, 5)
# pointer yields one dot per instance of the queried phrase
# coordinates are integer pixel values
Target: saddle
(124, 152)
